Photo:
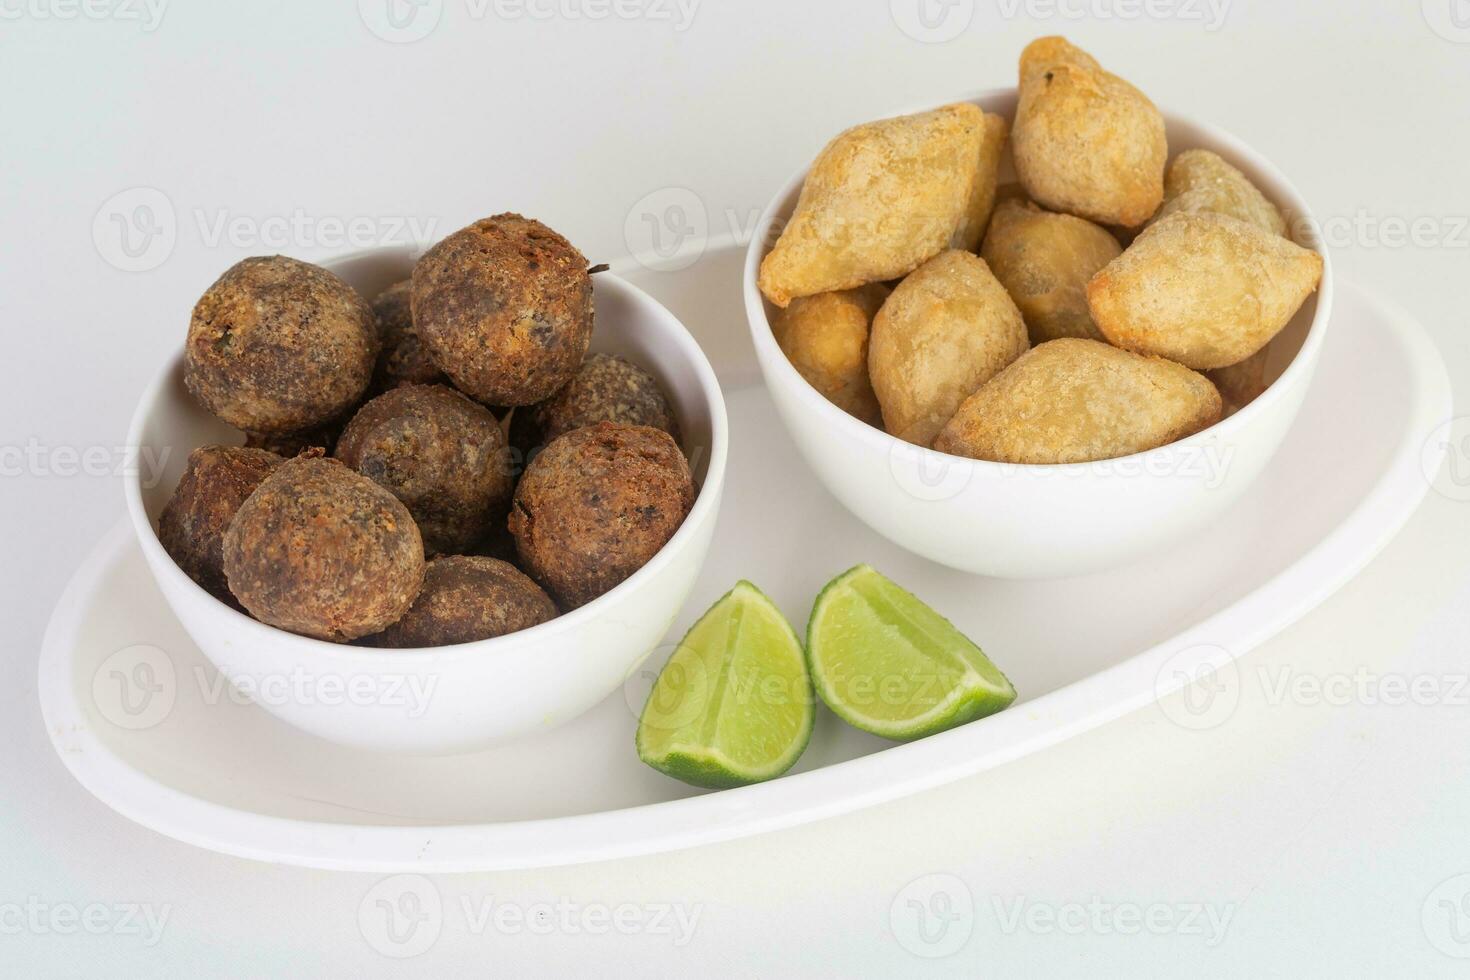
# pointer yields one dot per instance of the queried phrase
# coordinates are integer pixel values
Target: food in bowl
(1087, 142)
(504, 306)
(442, 454)
(1200, 180)
(606, 388)
(277, 345)
(216, 481)
(1079, 401)
(466, 598)
(596, 504)
(944, 331)
(404, 360)
(1202, 288)
(1045, 260)
(1206, 285)
(883, 198)
(321, 550)
(335, 548)
(826, 339)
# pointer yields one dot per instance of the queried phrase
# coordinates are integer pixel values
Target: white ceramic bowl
(1024, 521)
(449, 699)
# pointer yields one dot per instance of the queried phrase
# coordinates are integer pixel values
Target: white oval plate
(146, 725)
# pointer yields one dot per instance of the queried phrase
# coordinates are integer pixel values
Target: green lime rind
(733, 705)
(887, 663)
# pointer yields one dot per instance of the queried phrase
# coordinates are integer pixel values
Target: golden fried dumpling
(1201, 288)
(881, 199)
(825, 337)
(1086, 142)
(945, 330)
(1045, 261)
(1077, 401)
(1199, 180)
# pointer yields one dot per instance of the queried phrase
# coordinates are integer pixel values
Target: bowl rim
(1299, 368)
(706, 502)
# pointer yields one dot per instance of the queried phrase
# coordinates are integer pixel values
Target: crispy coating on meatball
(404, 359)
(467, 598)
(216, 481)
(288, 444)
(504, 308)
(440, 453)
(277, 345)
(607, 388)
(323, 551)
(596, 505)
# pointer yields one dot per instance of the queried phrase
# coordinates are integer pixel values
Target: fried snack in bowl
(1049, 520)
(1201, 288)
(1045, 261)
(1242, 383)
(1079, 401)
(504, 307)
(944, 331)
(1086, 142)
(277, 345)
(216, 481)
(1200, 180)
(404, 359)
(987, 177)
(826, 338)
(880, 199)
(596, 505)
(607, 388)
(441, 453)
(322, 551)
(467, 598)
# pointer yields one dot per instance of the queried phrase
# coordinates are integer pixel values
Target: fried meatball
(505, 309)
(191, 529)
(323, 551)
(596, 505)
(467, 598)
(440, 453)
(607, 388)
(288, 444)
(277, 345)
(404, 360)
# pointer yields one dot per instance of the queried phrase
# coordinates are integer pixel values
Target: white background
(1321, 829)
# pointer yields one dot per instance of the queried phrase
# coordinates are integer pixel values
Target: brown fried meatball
(440, 453)
(467, 598)
(277, 345)
(606, 388)
(505, 309)
(596, 505)
(289, 444)
(404, 360)
(323, 551)
(216, 481)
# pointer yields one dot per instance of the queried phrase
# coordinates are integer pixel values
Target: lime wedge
(888, 664)
(734, 704)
